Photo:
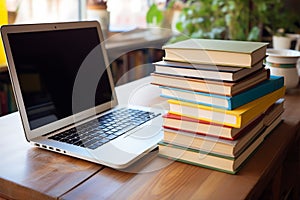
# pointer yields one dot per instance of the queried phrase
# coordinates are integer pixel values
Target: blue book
(224, 102)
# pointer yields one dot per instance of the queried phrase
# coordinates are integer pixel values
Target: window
(36, 11)
(124, 15)
(127, 14)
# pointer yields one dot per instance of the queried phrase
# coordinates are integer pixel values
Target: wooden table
(27, 172)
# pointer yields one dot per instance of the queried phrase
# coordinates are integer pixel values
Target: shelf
(132, 53)
(121, 43)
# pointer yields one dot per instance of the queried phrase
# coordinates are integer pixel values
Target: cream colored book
(212, 144)
(217, 52)
(210, 86)
(199, 127)
(206, 71)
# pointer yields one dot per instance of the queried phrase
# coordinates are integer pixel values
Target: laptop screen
(47, 64)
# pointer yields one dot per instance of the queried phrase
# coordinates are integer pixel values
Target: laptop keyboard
(105, 128)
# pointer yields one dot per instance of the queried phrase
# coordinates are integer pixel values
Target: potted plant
(279, 28)
(236, 20)
(217, 19)
(278, 25)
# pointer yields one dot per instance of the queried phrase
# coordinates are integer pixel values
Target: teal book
(224, 102)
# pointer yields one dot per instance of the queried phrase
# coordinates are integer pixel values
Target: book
(206, 71)
(199, 127)
(235, 118)
(210, 86)
(205, 128)
(224, 102)
(217, 52)
(273, 112)
(215, 145)
(215, 161)
(190, 136)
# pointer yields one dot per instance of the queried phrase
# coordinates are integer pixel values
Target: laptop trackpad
(140, 140)
(145, 132)
(123, 150)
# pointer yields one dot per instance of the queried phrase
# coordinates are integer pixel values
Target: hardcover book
(211, 160)
(273, 112)
(235, 118)
(210, 86)
(205, 128)
(215, 145)
(180, 133)
(224, 102)
(217, 52)
(206, 71)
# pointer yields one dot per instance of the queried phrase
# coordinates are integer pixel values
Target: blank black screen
(47, 63)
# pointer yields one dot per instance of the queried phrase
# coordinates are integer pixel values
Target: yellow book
(234, 118)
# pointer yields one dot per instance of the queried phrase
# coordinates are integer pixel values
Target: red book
(196, 138)
(178, 122)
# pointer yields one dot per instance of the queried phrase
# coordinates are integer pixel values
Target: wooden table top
(28, 172)
(173, 180)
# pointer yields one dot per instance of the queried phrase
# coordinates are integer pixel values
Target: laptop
(66, 98)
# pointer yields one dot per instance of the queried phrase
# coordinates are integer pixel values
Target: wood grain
(27, 172)
(181, 181)
(30, 173)
(174, 180)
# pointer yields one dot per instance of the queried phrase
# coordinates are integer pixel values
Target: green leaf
(154, 15)
(179, 26)
(254, 34)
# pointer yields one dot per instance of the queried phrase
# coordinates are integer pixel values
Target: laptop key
(111, 137)
(88, 143)
(95, 133)
(104, 140)
(95, 146)
(121, 132)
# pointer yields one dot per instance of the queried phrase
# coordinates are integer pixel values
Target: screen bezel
(75, 118)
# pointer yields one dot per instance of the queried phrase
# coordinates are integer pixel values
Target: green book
(217, 52)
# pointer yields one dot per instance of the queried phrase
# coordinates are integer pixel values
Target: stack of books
(222, 101)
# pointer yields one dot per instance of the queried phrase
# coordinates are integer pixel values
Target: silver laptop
(66, 98)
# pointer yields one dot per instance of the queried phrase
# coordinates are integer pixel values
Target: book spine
(262, 89)
(199, 133)
(234, 118)
(262, 105)
(233, 102)
(197, 164)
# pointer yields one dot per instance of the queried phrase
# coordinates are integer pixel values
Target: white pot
(283, 62)
(280, 42)
(282, 56)
(290, 75)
